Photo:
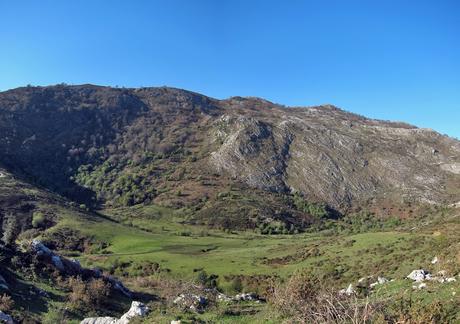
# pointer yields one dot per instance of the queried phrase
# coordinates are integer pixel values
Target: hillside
(172, 191)
(111, 147)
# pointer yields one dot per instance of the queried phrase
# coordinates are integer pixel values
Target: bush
(38, 219)
(6, 303)
(303, 299)
(87, 295)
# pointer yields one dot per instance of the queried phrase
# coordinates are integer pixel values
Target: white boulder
(348, 291)
(137, 309)
(435, 260)
(419, 275)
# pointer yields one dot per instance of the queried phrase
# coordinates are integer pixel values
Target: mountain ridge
(173, 147)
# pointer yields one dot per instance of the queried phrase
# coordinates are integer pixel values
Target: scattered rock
(380, 281)
(246, 297)
(422, 285)
(137, 309)
(348, 291)
(419, 275)
(223, 298)
(451, 279)
(176, 322)
(5, 318)
(191, 302)
(99, 320)
(435, 260)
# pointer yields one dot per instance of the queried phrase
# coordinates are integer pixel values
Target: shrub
(6, 303)
(237, 285)
(87, 295)
(38, 219)
(303, 299)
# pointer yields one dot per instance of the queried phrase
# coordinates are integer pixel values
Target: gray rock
(5, 318)
(56, 259)
(191, 302)
(99, 320)
(419, 275)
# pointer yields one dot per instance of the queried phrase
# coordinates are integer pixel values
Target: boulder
(191, 302)
(176, 322)
(56, 259)
(435, 260)
(5, 318)
(137, 309)
(40, 248)
(348, 291)
(419, 275)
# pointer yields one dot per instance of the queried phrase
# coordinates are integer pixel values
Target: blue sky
(395, 60)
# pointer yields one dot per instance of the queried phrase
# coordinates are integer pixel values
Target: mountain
(110, 147)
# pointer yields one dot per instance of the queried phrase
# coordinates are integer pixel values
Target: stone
(348, 291)
(5, 318)
(246, 297)
(99, 320)
(419, 275)
(40, 248)
(223, 298)
(192, 302)
(137, 309)
(435, 260)
(56, 259)
(176, 322)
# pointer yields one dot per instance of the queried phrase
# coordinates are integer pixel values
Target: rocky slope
(110, 146)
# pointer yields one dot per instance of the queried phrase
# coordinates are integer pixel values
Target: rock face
(323, 152)
(137, 309)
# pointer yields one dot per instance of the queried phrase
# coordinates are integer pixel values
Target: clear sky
(387, 59)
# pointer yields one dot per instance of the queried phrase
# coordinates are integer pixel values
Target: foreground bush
(304, 299)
